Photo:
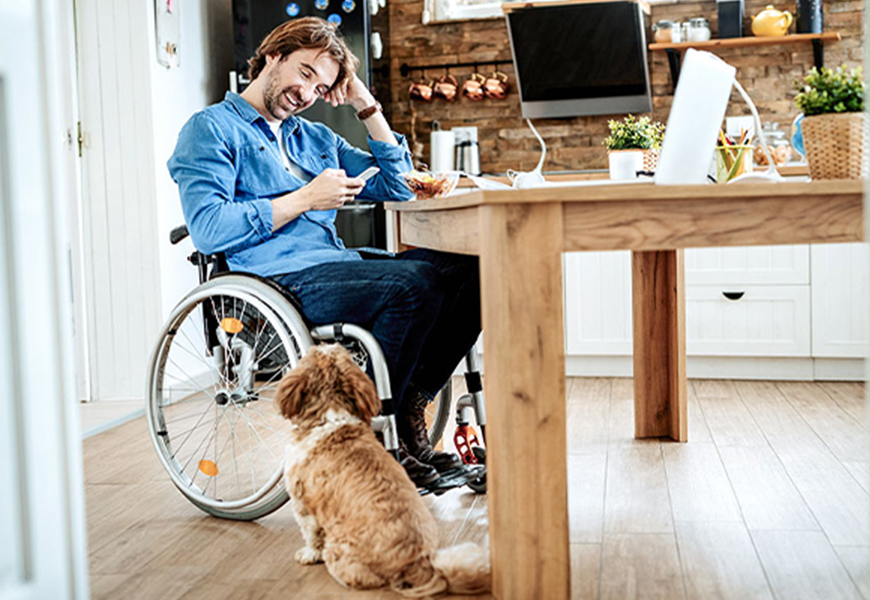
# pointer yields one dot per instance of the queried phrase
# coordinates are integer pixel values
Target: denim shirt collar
(250, 114)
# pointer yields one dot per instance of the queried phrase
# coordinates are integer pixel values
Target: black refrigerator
(358, 223)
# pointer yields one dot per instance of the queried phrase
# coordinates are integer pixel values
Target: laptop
(696, 115)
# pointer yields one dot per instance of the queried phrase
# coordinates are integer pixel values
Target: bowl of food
(427, 185)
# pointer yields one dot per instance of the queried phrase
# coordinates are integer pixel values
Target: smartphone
(368, 173)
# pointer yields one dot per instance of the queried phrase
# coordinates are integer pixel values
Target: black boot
(420, 473)
(411, 422)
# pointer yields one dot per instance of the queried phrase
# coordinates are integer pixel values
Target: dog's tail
(462, 569)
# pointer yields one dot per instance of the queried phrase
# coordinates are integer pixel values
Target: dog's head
(327, 378)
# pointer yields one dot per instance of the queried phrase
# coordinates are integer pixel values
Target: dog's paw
(308, 556)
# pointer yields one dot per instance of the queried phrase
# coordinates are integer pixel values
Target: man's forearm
(379, 129)
(377, 124)
(288, 207)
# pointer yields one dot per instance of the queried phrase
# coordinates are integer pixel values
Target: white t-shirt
(288, 164)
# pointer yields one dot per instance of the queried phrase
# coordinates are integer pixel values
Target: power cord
(534, 178)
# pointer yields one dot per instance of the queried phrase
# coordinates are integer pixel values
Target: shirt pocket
(261, 173)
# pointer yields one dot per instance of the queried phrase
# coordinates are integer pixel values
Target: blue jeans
(422, 306)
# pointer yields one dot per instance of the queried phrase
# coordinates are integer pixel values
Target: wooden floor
(769, 499)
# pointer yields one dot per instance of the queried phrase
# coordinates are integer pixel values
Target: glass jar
(663, 31)
(699, 30)
(777, 144)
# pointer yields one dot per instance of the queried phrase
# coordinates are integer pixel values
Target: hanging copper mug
(446, 88)
(496, 86)
(421, 90)
(473, 87)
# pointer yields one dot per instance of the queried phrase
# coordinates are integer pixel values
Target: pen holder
(732, 161)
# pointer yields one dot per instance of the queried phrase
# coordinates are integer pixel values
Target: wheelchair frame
(234, 358)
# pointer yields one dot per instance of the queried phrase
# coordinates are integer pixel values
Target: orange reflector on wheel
(231, 325)
(207, 467)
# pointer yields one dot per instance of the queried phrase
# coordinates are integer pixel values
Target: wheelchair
(213, 375)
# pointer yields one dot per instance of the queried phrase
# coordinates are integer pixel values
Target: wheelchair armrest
(178, 234)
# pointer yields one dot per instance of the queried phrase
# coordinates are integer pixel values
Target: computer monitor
(579, 59)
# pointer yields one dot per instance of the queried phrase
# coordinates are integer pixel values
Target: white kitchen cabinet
(598, 303)
(749, 265)
(801, 312)
(840, 296)
(756, 320)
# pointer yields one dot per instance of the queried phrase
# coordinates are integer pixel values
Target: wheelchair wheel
(438, 413)
(212, 382)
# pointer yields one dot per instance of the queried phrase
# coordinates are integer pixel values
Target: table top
(652, 217)
(638, 192)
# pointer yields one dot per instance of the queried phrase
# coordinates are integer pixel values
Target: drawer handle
(733, 295)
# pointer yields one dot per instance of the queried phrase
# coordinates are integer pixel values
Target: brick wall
(767, 73)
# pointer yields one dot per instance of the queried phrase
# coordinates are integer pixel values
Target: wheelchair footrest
(454, 478)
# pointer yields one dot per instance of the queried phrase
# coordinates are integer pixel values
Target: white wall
(206, 46)
(43, 553)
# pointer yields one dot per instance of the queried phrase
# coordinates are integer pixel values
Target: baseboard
(730, 367)
(840, 369)
(113, 423)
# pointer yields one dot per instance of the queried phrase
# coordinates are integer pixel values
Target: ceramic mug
(496, 86)
(420, 90)
(446, 88)
(473, 87)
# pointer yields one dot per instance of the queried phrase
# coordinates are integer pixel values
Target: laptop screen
(700, 101)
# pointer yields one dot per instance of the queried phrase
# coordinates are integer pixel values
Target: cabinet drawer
(748, 320)
(752, 265)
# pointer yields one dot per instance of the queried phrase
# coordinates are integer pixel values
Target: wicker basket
(650, 159)
(835, 145)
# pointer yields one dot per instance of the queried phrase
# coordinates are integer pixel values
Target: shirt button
(262, 148)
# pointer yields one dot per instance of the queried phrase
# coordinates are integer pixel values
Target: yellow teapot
(771, 22)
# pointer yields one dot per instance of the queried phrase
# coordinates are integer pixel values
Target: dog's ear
(360, 390)
(292, 391)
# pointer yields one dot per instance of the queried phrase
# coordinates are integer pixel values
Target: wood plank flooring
(768, 499)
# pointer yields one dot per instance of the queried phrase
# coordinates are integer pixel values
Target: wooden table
(520, 236)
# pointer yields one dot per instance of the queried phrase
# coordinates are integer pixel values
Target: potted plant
(632, 146)
(834, 125)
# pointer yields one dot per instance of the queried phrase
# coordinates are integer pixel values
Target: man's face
(296, 81)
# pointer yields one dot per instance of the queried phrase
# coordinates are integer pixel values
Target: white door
(119, 244)
(42, 554)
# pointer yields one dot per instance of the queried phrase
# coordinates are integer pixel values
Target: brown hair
(307, 33)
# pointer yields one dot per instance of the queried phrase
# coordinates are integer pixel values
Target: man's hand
(353, 91)
(329, 190)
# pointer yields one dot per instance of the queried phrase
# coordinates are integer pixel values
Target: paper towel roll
(441, 151)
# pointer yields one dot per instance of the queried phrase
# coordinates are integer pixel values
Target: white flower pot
(624, 164)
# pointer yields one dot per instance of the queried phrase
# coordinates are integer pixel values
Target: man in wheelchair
(261, 185)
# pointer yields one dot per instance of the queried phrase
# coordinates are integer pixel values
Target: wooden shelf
(816, 39)
(796, 38)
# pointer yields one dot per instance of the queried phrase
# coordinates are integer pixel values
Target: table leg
(524, 354)
(659, 312)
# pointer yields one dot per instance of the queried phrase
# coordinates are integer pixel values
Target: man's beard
(272, 96)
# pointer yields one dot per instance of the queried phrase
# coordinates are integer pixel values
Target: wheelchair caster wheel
(478, 486)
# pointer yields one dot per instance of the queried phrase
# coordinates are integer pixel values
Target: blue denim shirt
(228, 168)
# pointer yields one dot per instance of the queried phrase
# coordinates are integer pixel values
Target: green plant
(634, 134)
(825, 91)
